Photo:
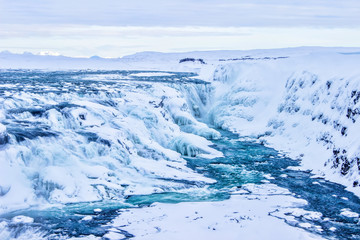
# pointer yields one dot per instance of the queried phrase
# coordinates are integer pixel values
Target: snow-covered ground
(255, 213)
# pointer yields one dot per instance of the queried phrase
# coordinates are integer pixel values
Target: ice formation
(79, 139)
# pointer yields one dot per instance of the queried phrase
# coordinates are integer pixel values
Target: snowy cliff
(306, 105)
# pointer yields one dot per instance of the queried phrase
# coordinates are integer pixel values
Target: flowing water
(243, 162)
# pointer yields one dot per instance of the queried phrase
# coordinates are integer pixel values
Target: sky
(114, 28)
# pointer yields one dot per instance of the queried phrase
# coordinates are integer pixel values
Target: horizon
(55, 54)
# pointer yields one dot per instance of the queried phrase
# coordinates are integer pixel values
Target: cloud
(48, 30)
(225, 13)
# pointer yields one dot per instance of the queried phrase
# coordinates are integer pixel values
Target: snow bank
(307, 105)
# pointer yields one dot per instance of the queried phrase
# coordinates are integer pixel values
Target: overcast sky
(112, 28)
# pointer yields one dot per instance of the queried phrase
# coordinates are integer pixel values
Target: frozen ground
(248, 214)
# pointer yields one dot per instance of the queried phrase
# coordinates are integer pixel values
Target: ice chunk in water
(192, 145)
(22, 219)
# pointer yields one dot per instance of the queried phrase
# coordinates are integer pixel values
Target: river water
(244, 162)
